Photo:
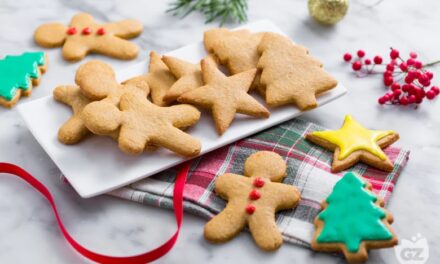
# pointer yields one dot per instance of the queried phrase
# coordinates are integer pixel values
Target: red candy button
(101, 31)
(259, 182)
(71, 31)
(250, 208)
(86, 31)
(254, 195)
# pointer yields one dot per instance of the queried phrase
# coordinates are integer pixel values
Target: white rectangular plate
(96, 165)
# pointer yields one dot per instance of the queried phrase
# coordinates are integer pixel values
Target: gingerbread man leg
(131, 141)
(226, 224)
(116, 48)
(264, 229)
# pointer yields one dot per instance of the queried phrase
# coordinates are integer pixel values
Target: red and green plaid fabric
(308, 169)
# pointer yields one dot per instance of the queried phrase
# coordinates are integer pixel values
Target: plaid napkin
(308, 169)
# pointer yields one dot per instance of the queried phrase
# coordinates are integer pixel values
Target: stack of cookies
(280, 70)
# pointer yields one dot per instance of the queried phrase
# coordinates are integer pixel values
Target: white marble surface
(28, 232)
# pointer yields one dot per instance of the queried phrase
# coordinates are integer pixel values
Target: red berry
(418, 64)
(254, 195)
(86, 31)
(436, 90)
(259, 182)
(405, 87)
(403, 66)
(360, 53)
(250, 208)
(357, 66)
(387, 73)
(377, 59)
(423, 78)
(409, 79)
(395, 86)
(367, 61)
(390, 67)
(394, 54)
(429, 74)
(71, 31)
(410, 61)
(347, 57)
(411, 99)
(404, 100)
(101, 31)
(381, 100)
(386, 97)
(413, 55)
(430, 94)
(397, 93)
(388, 80)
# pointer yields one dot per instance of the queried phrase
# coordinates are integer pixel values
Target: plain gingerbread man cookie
(253, 200)
(85, 36)
(141, 123)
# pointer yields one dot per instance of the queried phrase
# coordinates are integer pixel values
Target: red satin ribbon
(142, 258)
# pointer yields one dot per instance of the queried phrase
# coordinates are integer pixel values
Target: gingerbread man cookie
(141, 123)
(289, 74)
(353, 143)
(353, 221)
(253, 200)
(85, 36)
(18, 74)
(225, 96)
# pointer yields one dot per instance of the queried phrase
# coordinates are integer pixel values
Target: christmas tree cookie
(84, 35)
(18, 74)
(289, 74)
(353, 221)
(353, 143)
(253, 200)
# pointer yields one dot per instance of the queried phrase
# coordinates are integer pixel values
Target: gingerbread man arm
(283, 196)
(181, 142)
(73, 130)
(126, 29)
(182, 115)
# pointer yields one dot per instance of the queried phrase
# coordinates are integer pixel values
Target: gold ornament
(328, 11)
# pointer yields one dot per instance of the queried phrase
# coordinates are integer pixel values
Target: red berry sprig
(408, 80)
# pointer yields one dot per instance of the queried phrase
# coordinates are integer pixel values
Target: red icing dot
(86, 31)
(71, 31)
(259, 182)
(101, 31)
(254, 195)
(250, 208)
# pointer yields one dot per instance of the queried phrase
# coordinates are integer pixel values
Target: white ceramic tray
(96, 165)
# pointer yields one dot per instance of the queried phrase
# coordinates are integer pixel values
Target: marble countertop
(28, 231)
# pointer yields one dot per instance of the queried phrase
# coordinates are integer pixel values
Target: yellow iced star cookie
(353, 143)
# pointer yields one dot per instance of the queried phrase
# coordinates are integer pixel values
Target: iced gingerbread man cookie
(84, 36)
(353, 143)
(253, 200)
(18, 74)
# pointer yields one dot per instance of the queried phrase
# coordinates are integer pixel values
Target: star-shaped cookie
(189, 76)
(353, 143)
(289, 74)
(225, 96)
(159, 79)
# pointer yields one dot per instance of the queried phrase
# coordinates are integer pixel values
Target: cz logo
(414, 251)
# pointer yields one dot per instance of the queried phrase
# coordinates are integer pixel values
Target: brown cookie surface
(84, 36)
(225, 96)
(142, 123)
(289, 74)
(253, 200)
